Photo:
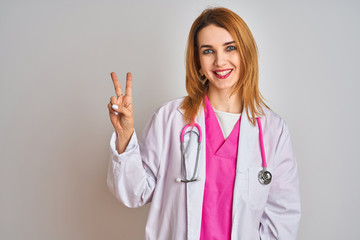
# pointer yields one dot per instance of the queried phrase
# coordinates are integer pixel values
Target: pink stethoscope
(264, 175)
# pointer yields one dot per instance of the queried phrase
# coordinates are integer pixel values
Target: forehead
(213, 35)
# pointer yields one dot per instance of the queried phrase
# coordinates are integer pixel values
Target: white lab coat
(147, 172)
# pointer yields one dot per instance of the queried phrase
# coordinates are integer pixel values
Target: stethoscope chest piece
(264, 177)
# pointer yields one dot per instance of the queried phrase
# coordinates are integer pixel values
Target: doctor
(240, 136)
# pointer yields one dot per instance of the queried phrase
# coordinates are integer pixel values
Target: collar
(244, 114)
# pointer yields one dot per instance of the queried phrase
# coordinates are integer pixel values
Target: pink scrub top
(221, 158)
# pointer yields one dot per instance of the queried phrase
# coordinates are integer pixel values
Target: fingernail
(115, 107)
(116, 113)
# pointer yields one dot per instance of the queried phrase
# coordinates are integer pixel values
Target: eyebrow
(209, 46)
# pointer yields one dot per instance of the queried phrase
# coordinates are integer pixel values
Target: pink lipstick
(223, 73)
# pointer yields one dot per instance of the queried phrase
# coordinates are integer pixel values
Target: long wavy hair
(247, 85)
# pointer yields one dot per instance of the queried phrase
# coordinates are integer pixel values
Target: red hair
(252, 100)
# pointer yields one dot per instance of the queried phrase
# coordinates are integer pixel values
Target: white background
(55, 64)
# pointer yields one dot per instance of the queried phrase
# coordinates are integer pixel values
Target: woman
(214, 191)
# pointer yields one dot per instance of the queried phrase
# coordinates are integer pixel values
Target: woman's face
(219, 58)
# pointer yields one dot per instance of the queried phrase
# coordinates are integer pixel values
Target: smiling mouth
(222, 73)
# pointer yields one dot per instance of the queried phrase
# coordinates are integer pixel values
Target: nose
(220, 59)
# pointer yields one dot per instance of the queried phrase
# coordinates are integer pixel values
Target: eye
(231, 48)
(207, 51)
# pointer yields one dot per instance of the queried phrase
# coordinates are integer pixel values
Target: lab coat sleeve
(132, 174)
(282, 213)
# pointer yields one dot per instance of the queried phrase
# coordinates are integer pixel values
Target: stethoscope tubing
(191, 125)
(264, 175)
(264, 164)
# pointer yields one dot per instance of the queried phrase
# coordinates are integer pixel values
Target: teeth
(223, 73)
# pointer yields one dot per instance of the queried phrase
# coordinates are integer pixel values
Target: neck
(222, 101)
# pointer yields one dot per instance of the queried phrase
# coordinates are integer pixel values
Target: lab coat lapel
(195, 190)
(248, 139)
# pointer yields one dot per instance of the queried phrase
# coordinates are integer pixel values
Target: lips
(222, 73)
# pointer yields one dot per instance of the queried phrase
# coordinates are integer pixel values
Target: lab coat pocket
(258, 193)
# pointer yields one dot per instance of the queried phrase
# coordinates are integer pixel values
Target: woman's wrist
(123, 139)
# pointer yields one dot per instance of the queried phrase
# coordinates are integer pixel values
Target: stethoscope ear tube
(179, 180)
(183, 171)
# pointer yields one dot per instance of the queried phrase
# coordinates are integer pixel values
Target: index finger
(116, 84)
(128, 90)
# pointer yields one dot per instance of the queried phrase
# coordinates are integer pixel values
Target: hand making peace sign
(121, 111)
